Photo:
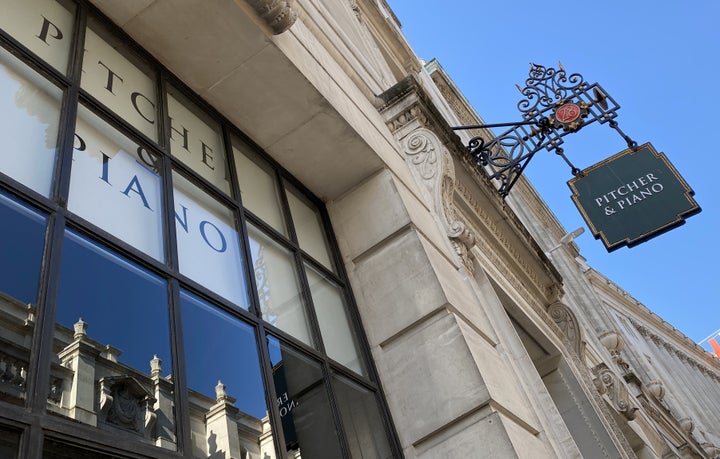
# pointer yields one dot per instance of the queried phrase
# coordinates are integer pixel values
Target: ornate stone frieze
(278, 14)
(568, 324)
(608, 384)
(510, 248)
(404, 118)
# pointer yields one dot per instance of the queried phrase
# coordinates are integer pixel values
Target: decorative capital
(278, 14)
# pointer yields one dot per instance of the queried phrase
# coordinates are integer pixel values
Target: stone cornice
(709, 368)
(468, 195)
(641, 316)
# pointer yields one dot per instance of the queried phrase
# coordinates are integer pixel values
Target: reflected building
(244, 229)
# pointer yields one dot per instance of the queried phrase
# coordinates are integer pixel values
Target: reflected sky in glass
(22, 237)
(221, 347)
(124, 306)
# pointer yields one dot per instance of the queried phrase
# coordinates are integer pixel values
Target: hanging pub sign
(632, 197)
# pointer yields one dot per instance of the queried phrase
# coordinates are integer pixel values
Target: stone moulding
(279, 15)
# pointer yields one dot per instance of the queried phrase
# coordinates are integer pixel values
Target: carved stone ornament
(433, 169)
(125, 403)
(278, 14)
(608, 384)
(613, 342)
(568, 324)
(687, 424)
(657, 389)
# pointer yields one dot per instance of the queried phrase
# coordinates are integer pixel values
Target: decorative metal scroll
(555, 104)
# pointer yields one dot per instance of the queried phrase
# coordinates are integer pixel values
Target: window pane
(305, 413)
(278, 289)
(9, 442)
(225, 382)
(258, 187)
(55, 449)
(22, 238)
(308, 228)
(208, 242)
(120, 80)
(362, 422)
(335, 327)
(29, 114)
(116, 184)
(196, 140)
(44, 26)
(112, 341)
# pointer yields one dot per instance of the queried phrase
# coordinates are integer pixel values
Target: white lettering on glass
(197, 144)
(117, 83)
(208, 244)
(114, 186)
(44, 26)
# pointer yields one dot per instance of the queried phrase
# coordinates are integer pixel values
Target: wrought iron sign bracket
(554, 105)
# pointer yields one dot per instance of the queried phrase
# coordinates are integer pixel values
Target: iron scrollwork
(555, 104)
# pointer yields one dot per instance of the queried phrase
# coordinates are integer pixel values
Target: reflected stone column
(80, 357)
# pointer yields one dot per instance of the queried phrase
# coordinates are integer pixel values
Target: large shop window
(22, 237)
(166, 288)
(113, 333)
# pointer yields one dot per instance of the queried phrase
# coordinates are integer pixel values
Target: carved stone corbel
(278, 14)
(433, 169)
(608, 384)
(568, 324)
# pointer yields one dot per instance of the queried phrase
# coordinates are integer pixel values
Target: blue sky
(659, 61)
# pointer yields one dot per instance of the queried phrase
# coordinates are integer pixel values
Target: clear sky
(659, 60)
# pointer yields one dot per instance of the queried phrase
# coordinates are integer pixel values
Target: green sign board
(632, 197)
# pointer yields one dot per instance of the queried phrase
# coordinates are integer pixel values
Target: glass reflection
(112, 343)
(258, 187)
(305, 413)
(278, 288)
(225, 384)
(22, 238)
(335, 327)
(111, 169)
(362, 422)
(308, 227)
(29, 117)
(9, 443)
(55, 449)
